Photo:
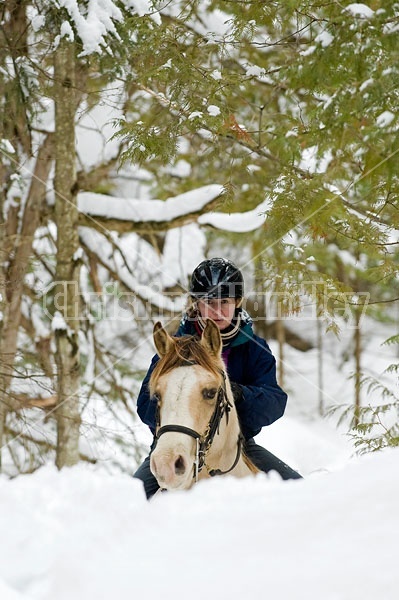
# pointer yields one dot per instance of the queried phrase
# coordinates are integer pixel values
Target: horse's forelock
(185, 350)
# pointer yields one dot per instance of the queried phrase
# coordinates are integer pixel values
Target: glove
(238, 393)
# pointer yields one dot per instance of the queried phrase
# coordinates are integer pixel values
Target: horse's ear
(162, 340)
(211, 338)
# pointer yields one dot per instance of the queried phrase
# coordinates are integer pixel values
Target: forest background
(267, 132)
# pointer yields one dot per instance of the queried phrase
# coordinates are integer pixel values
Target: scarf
(227, 334)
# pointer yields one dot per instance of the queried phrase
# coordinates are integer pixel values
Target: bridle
(203, 442)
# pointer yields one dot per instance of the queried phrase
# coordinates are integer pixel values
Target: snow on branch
(237, 222)
(121, 268)
(95, 22)
(145, 216)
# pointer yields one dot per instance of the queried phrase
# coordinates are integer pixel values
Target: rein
(204, 441)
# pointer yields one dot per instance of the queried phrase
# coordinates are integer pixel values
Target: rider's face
(220, 310)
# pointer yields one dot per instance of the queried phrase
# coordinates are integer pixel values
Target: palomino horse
(198, 433)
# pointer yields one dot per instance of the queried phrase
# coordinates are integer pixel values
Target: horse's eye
(157, 396)
(209, 393)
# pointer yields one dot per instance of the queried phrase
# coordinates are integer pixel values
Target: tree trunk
(358, 373)
(320, 379)
(67, 271)
(16, 250)
(14, 127)
(281, 341)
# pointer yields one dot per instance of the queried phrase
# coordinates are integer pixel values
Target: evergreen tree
(295, 102)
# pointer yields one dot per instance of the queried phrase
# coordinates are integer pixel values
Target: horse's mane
(186, 349)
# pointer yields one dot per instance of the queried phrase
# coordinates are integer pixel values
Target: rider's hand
(238, 394)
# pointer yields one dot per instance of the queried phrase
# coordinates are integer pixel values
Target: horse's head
(189, 383)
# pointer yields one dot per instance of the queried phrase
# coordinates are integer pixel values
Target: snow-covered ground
(87, 534)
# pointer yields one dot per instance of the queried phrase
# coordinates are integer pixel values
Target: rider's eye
(209, 393)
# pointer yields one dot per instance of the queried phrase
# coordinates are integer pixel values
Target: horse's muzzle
(169, 468)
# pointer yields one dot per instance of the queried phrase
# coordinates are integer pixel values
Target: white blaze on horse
(198, 433)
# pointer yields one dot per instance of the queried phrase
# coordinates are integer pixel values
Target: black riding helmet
(217, 278)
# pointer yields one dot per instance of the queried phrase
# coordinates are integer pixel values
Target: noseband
(204, 441)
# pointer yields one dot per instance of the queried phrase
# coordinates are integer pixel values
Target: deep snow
(86, 534)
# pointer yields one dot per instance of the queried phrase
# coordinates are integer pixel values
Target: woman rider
(217, 290)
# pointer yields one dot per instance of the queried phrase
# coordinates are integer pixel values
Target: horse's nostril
(180, 466)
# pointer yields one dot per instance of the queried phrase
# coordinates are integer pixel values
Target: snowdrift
(84, 534)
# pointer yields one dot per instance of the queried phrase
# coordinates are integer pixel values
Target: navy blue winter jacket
(251, 364)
